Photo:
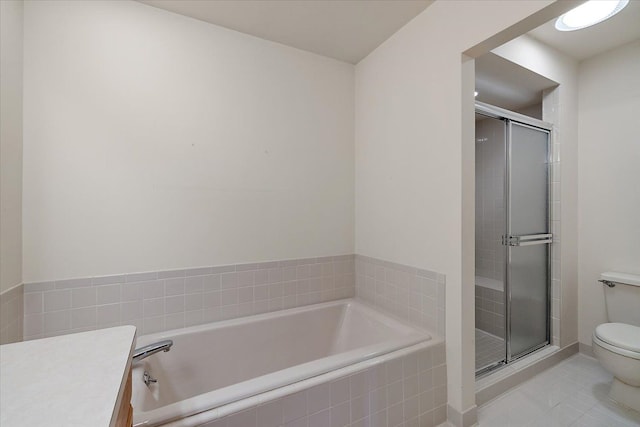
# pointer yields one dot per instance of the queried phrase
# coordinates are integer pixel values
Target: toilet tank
(623, 299)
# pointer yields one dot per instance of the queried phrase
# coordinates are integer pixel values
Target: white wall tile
(131, 291)
(83, 317)
(154, 289)
(33, 325)
(33, 303)
(209, 293)
(174, 304)
(153, 307)
(193, 302)
(294, 406)
(108, 314)
(174, 286)
(57, 300)
(57, 321)
(395, 284)
(131, 310)
(83, 297)
(270, 414)
(108, 294)
(193, 285)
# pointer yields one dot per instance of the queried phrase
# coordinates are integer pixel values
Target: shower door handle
(528, 240)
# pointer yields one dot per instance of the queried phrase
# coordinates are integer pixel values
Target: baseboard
(513, 378)
(587, 350)
(467, 418)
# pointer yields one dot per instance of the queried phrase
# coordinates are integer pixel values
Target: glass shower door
(528, 239)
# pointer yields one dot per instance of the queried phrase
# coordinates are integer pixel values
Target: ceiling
(582, 44)
(505, 84)
(347, 30)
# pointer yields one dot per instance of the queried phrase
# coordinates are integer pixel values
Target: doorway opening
(513, 236)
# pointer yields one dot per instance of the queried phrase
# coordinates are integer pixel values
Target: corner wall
(411, 185)
(11, 14)
(153, 141)
(609, 159)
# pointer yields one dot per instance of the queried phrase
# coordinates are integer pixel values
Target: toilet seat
(619, 338)
(620, 335)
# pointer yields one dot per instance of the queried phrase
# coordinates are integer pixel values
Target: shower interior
(512, 236)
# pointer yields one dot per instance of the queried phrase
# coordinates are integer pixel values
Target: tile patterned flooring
(489, 349)
(572, 393)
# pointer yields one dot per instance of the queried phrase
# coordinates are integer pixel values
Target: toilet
(616, 345)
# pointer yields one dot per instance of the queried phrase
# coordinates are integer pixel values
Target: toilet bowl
(617, 347)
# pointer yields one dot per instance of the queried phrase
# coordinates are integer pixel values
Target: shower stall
(513, 237)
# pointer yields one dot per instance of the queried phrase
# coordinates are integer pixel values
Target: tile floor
(489, 349)
(572, 393)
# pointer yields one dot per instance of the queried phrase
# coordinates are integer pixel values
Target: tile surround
(489, 349)
(406, 390)
(11, 314)
(414, 295)
(490, 213)
(490, 310)
(164, 300)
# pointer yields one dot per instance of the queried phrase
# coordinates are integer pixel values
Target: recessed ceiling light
(589, 13)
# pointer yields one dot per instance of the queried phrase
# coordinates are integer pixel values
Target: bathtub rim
(247, 389)
(268, 396)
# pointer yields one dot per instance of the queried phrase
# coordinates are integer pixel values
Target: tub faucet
(148, 350)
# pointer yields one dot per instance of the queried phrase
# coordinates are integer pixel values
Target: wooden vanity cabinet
(124, 416)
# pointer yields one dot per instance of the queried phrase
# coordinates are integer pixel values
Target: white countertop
(70, 380)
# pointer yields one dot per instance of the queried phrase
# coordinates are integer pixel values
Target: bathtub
(210, 366)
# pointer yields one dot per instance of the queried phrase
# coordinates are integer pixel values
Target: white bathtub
(213, 365)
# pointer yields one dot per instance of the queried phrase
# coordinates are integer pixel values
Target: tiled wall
(490, 212)
(11, 303)
(407, 391)
(490, 218)
(414, 295)
(490, 310)
(165, 300)
(556, 267)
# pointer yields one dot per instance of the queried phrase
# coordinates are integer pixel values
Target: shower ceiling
(508, 85)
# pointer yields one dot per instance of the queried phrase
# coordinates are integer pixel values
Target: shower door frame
(507, 117)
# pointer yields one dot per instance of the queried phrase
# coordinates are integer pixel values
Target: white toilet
(617, 344)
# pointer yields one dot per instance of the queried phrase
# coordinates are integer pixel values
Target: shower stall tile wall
(165, 300)
(489, 309)
(556, 266)
(412, 294)
(490, 214)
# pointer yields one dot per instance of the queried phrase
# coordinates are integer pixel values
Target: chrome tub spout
(148, 350)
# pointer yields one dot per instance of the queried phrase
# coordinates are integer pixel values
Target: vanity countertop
(69, 380)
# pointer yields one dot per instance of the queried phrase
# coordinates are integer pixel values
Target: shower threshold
(523, 359)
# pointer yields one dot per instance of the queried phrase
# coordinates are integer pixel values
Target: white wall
(155, 141)
(410, 156)
(11, 13)
(609, 163)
